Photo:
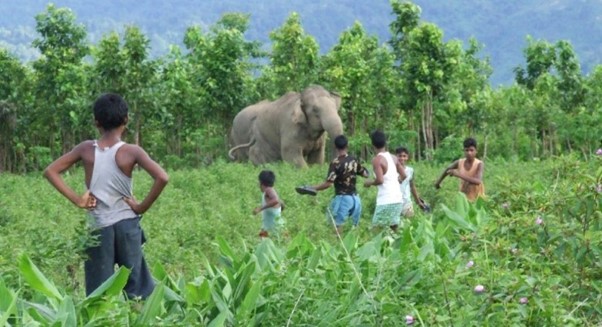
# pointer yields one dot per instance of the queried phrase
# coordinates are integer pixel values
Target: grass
(204, 220)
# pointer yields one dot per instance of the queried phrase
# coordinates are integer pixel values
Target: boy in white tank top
(388, 174)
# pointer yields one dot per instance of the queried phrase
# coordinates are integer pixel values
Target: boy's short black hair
(401, 150)
(379, 139)
(110, 111)
(470, 142)
(267, 178)
(340, 142)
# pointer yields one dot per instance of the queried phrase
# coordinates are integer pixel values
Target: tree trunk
(427, 126)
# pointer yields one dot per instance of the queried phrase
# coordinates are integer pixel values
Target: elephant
(291, 128)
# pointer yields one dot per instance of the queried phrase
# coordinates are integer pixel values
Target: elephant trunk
(334, 127)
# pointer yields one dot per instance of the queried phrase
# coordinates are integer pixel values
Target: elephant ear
(337, 99)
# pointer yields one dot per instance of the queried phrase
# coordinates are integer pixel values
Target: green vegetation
(425, 92)
(214, 270)
(534, 245)
(500, 25)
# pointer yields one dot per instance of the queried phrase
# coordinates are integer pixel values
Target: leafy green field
(203, 246)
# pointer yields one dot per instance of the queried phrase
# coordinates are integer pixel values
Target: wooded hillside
(501, 26)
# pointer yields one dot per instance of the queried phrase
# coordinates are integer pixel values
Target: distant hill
(500, 25)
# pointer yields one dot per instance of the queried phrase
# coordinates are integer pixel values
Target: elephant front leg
(316, 156)
(293, 155)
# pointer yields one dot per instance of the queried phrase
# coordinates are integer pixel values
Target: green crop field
(534, 245)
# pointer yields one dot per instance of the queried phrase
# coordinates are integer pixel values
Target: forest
(425, 92)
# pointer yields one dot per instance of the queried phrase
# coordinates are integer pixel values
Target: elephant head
(319, 111)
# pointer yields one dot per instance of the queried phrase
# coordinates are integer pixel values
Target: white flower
(539, 220)
(599, 152)
(469, 264)
(479, 289)
(409, 320)
(523, 300)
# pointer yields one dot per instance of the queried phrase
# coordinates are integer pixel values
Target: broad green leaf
(243, 279)
(248, 304)
(152, 307)
(172, 296)
(66, 313)
(112, 286)
(8, 308)
(6, 297)
(34, 277)
(219, 321)
(39, 312)
(457, 218)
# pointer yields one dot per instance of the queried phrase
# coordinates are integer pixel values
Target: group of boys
(392, 176)
(115, 215)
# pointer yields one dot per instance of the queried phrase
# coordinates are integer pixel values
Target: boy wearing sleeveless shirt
(271, 206)
(469, 171)
(388, 174)
(115, 214)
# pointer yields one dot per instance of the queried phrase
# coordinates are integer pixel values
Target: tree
(426, 68)
(222, 66)
(180, 103)
(293, 61)
(60, 75)
(109, 67)
(12, 77)
(138, 79)
(540, 56)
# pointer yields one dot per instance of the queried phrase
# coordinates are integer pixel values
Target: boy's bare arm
(415, 193)
(400, 169)
(159, 176)
(326, 184)
(454, 165)
(53, 174)
(473, 180)
(272, 200)
(378, 173)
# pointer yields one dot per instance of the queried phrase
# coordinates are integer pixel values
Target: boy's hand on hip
(87, 201)
(256, 210)
(134, 205)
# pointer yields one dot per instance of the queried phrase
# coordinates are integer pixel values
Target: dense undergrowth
(533, 245)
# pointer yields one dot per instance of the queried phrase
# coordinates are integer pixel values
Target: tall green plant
(294, 59)
(60, 77)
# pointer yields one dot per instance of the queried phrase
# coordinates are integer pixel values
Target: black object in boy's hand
(306, 190)
(425, 207)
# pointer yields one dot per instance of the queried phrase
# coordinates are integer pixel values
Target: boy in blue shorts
(342, 173)
(271, 206)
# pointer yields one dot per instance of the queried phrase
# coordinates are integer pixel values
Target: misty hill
(501, 26)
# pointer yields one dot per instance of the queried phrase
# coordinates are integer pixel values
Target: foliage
(536, 236)
(418, 87)
(293, 60)
(222, 66)
(60, 78)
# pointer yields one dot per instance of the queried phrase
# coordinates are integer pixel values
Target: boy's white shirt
(405, 185)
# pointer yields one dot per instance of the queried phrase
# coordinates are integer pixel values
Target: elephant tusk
(239, 147)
